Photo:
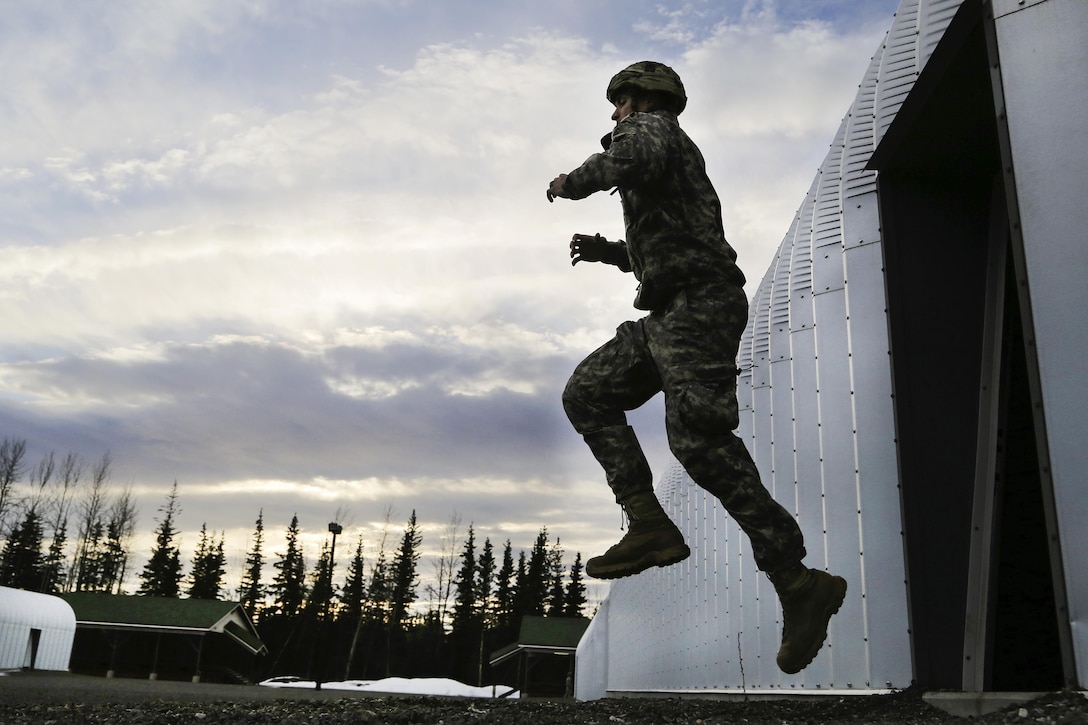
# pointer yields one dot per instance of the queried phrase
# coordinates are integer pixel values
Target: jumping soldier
(686, 346)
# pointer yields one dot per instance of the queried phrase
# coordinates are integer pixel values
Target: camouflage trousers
(687, 350)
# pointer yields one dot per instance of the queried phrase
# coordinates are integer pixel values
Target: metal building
(912, 389)
(36, 631)
(203, 640)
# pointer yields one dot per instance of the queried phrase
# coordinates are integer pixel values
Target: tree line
(372, 623)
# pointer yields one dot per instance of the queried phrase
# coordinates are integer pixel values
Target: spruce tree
(402, 592)
(251, 591)
(536, 577)
(53, 574)
(505, 590)
(321, 589)
(378, 592)
(522, 590)
(21, 559)
(209, 568)
(161, 576)
(403, 580)
(197, 563)
(289, 584)
(354, 594)
(576, 590)
(485, 579)
(465, 603)
(556, 593)
(356, 599)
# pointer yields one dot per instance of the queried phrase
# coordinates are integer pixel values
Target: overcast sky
(297, 255)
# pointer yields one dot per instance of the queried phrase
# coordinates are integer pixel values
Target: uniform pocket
(707, 401)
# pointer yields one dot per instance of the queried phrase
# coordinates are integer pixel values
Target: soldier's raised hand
(586, 248)
(556, 188)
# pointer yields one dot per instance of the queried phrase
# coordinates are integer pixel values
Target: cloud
(291, 267)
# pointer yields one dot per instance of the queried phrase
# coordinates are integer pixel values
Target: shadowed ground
(38, 698)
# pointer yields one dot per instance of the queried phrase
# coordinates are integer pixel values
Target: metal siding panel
(935, 21)
(767, 629)
(827, 234)
(1007, 7)
(55, 650)
(723, 603)
(760, 445)
(901, 38)
(806, 419)
(591, 672)
(760, 313)
(800, 262)
(883, 572)
(839, 549)
(861, 225)
(800, 239)
(729, 610)
(744, 398)
(859, 138)
(801, 311)
(1043, 57)
(13, 637)
(827, 273)
(745, 354)
(706, 595)
(779, 478)
(779, 318)
(828, 217)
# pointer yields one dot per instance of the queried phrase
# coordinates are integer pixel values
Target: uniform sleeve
(636, 156)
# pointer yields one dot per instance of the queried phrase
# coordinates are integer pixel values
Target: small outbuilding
(163, 638)
(544, 654)
(36, 631)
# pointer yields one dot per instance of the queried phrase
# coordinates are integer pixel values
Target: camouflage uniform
(688, 343)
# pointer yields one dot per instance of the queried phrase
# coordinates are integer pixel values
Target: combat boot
(809, 598)
(651, 540)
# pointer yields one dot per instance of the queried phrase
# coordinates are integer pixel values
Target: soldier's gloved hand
(585, 248)
(555, 189)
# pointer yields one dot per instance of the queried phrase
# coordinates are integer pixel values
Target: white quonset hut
(912, 388)
(36, 631)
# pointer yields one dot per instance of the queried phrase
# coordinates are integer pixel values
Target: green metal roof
(546, 635)
(164, 614)
(552, 631)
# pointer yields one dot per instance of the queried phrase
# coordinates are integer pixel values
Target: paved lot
(39, 698)
(41, 687)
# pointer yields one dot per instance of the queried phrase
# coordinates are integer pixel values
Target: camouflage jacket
(671, 211)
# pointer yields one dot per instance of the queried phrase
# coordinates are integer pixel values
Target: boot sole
(834, 603)
(647, 561)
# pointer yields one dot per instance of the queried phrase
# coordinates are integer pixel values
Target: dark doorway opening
(1024, 648)
(30, 660)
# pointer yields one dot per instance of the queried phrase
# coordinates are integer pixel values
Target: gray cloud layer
(300, 258)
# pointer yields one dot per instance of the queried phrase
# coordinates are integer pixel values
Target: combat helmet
(649, 76)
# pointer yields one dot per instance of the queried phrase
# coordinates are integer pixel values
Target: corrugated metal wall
(816, 413)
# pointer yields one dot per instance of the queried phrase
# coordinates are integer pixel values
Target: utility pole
(334, 529)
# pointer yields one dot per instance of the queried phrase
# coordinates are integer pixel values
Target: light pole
(334, 529)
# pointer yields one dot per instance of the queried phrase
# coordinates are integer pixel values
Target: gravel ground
(57, 698)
